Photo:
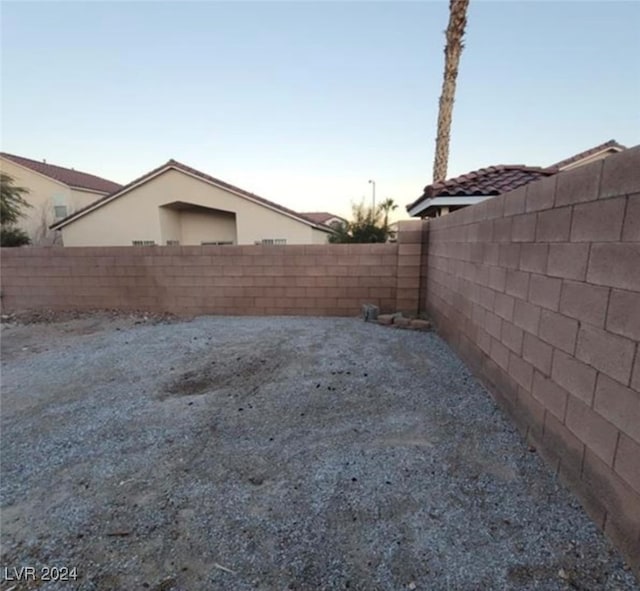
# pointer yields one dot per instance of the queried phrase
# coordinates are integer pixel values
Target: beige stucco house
(176, 204)
(54, 193)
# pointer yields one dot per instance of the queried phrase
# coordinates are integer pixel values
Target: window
(222, 243)
(270, 241)
(144, 243)
(60, 211)
(173, 242)
(59, 206)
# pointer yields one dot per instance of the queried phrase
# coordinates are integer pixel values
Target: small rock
(411, 586)
(385, 319)
(418, 324)
(402, 322)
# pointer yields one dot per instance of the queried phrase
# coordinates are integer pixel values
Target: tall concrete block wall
(539, 291)
(320, 280)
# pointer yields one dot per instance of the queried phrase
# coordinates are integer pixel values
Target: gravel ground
(273, 454)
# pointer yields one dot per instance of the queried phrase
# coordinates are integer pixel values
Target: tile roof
(321, 217)
(68, 176)
(187, 169)
(493, 180)
(610, 145)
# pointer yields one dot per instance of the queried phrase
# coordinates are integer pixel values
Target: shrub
(12, 236)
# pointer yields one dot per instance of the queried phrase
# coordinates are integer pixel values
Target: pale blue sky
(303, 102)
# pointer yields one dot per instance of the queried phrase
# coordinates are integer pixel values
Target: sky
(304, 102)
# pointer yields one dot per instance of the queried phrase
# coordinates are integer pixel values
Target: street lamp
(374, 194)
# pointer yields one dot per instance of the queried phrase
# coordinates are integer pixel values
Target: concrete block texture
(569, 331)
(331, 279)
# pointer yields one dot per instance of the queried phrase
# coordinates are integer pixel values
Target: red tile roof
(187, 169)
(68, 176)
(610, 145)
(493, 180)
(321, 217)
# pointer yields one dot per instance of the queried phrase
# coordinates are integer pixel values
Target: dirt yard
(273, 454)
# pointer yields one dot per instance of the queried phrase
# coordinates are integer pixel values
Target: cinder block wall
(305, 280)
(539, 291)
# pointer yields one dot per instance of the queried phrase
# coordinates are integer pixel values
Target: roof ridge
(10, 156)
(486, 169)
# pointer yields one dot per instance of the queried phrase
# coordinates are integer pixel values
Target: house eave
(446, 201)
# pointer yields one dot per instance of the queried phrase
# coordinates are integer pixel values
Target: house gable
(174, 165)
(149, 210)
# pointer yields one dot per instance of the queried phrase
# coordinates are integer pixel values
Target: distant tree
(340, 234)
(12, 204)
(386, 207)
(366, 226)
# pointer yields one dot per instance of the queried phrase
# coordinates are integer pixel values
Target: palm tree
(452, 53)
(387, 206)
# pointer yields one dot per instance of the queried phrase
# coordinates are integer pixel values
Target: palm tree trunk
(452, 53)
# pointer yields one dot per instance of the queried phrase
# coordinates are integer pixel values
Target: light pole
(373, 211)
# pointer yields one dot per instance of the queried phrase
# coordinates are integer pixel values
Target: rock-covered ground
(272, 454)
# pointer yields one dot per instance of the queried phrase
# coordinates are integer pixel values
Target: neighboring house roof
(472, 187)
(175, 165)
(493, 180)
(610, 146)
(68, 176)
(322, 217)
